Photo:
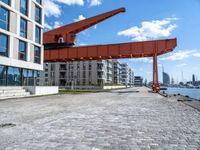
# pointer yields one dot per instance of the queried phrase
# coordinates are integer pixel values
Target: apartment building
(79, 73)
(138, 81)
(116, 72)
(21, 50)
(85, 73)
(126, 75)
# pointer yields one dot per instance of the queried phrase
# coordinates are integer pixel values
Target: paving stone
(99, 121)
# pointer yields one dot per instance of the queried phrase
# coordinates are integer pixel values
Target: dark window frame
(23, 33)
(7, 45)
(6, 21)
(37, 55)
(22, 10)
(38, 18)
(38, 39)
(22, 53)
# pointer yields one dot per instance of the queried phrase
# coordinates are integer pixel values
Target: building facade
(138, 81)
(126, 75)
(84, 73)
(166, 79)
(79, 73)
(21, 50)
(116, 72)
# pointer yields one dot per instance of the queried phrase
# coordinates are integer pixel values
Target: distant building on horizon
(193, 79)
(166, 78)
(138, 81)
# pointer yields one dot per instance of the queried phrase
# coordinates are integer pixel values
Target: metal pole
(156, 86)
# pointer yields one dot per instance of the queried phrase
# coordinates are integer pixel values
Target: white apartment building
(116, 72)
(21, 48)
(84, 73)
(78, 73)
(126, 75)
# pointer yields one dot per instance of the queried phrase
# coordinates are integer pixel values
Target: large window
(30, 77)
(4, 18)
(37, 14)
(14, 76)
(22, 50)
(3, 74)
(23, 27)
(37, 34)
(3, 45)
(25, 77)
(37, 58)
(24, 7)
(6, 1)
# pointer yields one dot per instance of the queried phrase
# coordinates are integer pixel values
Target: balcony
(63, 77)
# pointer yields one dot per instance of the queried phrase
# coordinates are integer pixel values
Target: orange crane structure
(58, 46)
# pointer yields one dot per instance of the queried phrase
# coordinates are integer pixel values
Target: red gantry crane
(58, 46)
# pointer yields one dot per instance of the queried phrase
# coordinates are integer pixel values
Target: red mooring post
(156, 85)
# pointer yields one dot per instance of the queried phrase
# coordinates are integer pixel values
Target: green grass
(75, 92)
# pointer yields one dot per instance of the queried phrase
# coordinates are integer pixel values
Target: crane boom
(66, 35)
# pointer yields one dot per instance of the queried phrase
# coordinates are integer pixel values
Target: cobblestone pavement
(121, 120)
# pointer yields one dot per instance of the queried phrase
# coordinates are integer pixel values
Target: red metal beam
(112, 51)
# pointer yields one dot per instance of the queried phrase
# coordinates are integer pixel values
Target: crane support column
(156, 85)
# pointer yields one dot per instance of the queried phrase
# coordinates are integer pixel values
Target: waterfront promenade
(121, 120)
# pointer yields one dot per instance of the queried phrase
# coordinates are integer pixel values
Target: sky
(143, 20)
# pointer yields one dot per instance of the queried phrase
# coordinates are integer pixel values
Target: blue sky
(143, 20)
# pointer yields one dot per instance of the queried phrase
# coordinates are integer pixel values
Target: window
(3, 74)
(39, 1)
(37, 55)
(6, 1)
(23, 7)
(37, 34)
(14, 76)
(23, 28)
(22, 50)
(3, 45)
(4, 18)
(37, 14)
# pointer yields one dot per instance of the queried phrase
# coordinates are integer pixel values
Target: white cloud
(57, 24)
(80, 17)
(180, 55)
(145, 60)
(95, 2)
(52, 7)
(181, 65)
(150, 30)
(71, 2)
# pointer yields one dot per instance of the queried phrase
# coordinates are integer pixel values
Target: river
(193, 93)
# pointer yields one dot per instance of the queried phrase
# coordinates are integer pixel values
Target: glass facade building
(21, 49)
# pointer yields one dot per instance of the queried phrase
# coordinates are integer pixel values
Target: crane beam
(111, 51)
(68, 32)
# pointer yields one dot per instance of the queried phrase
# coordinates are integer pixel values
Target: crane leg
(155, 85)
